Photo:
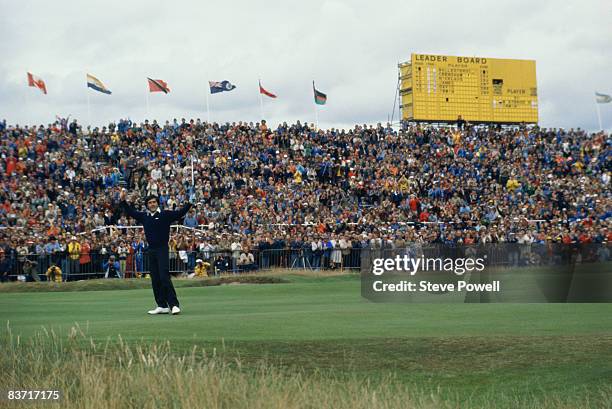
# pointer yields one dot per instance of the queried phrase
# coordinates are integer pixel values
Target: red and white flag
(34, 81)
(262, 90)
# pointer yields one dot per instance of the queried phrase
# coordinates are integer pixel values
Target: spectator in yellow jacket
(54, 273)
(74, 254)
(201, 269)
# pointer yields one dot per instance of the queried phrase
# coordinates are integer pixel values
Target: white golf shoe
(176, 310)
(159, 310)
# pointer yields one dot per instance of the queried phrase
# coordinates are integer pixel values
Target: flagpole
(599, 116)
(26, 99)
(192, 177)
(88, 108)
(261, 116)
(315, 106)
(147, 103)
(208, 105)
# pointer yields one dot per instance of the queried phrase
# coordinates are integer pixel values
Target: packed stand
(292, 196)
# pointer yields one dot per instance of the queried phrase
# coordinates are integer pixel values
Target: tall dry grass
(117, 375)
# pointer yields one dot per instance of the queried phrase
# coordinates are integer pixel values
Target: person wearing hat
(74, 253)
(156, 223)
(200, 270)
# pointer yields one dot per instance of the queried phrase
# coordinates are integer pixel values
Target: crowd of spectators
(294, 186)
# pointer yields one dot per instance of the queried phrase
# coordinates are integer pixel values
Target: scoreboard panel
(439, 88)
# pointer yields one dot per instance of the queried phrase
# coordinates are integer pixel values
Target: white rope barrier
(205, 231)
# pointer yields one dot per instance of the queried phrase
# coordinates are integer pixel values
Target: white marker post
(192, 177)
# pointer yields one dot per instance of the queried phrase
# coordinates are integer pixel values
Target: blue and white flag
(220, 86)
(96, 84)
(602, 98)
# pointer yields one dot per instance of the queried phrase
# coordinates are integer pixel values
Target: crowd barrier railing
(33, 267)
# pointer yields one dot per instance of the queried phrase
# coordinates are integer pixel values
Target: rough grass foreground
(115, 374)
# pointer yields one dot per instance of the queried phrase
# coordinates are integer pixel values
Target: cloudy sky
(350, 48)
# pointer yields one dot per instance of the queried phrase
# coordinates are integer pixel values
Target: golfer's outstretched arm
(133, 213)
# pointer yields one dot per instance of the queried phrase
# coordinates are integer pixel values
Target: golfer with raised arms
(156, 223)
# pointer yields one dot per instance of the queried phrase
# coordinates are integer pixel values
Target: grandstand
(294, 195)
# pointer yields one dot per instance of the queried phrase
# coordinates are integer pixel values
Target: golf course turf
(467, 355)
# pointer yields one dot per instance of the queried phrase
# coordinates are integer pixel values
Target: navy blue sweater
(156, 227)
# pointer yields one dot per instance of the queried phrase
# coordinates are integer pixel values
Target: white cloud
(350, 48)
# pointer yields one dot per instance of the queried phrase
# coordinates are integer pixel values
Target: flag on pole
(158, 86)
(262, 90)
(34, 81)
(220, 86)
(319, 97)
(96, 84)
(602, 98)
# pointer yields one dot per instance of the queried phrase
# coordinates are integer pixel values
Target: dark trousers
(163, 290)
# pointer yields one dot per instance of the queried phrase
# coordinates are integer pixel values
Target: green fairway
(321, 308)
(468, 351)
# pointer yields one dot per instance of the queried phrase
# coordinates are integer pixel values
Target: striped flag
(158, 86)
(319, 97)
(34, 81)
(96, 84)
(262, 90)
(602, 98)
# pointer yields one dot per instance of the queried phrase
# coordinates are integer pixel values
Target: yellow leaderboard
(439, 88)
